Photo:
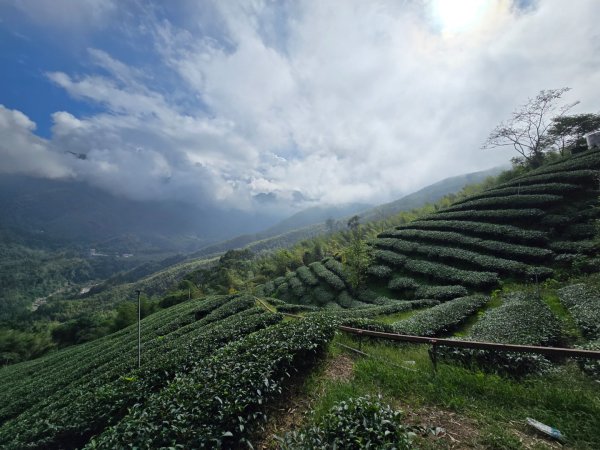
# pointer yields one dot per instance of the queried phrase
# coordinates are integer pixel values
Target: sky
(267, 105)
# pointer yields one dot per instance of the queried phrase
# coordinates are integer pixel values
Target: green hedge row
(511, 251)
(519, 320)
(489, 215)
(379, 271)
(507, 202)
(544, 188)
(337, 268)
(92, 354)
(452, 254)
(327, 276)
(441, 318)
(297, 287)
(307, 277)
(295, 309)
(582, 161)
(221, 402)
(448, 274)
(402, 283)
(497, 232)
(393, 307)
(586, 247)
(102, 363)
(581, 177)
(71, 416)
(391, 258)
(583, 303)
(442, 293)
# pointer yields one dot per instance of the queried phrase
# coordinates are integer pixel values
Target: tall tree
(527, 130)
(567, 132)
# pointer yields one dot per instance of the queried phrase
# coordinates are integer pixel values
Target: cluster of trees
(541, 128)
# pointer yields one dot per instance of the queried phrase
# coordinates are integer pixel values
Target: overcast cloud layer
(271, 104)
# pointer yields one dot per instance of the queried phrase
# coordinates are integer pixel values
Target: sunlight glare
(459, 15)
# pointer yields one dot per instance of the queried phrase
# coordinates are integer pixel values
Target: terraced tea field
(212, 366)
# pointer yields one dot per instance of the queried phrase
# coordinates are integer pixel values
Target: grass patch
(391, 318)
(565, 399)
(570, 330)
(465, 329)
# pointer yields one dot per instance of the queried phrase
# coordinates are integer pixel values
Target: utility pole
(138, 291)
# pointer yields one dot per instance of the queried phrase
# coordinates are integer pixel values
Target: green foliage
(442, 318)
(441, 293)
(402, 283)
(91, 386)
(590, 366)
(487, 230)
(520, 319)
(457, 255)
(392, 258)
(16, 346)
(220, 401)
(379, 271)
(583, 303)
(332, 280)
(509, 216)
(357, 258)
(580, 176)
(544, 188)
(507, 201)
(498, 248)
(307, 277)
(449, 274)
(355, 423)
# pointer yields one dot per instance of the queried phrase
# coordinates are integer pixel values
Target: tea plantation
(497, 266)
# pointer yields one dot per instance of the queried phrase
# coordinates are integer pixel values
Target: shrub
(590, 366)
(356, 423)
(401, 283)
(306, 276)
(450, 254)
(507, 201)
(445, 273)
(495, 231)
(519, 320)
(441, 318)
(294, 309)
(392, 258)
(512, 251)
(586, 247)
(489, 215)
(583, 303)
(322, 296)
(441, 293)
(296, 286)
(337, 268)
(545, 188)
(327, 276)
(393, 307)
(584, 176)
(221, 401)
(379, 271)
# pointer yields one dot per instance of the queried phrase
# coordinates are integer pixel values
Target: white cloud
(342, 101)
(21, 151)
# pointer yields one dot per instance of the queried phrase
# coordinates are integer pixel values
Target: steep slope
(238, 352)
(520, 230)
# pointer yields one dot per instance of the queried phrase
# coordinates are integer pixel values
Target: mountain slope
(519, 230)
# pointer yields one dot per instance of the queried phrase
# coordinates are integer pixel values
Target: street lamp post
(138, 292)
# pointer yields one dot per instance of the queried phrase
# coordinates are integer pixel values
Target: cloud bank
(277, 104)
